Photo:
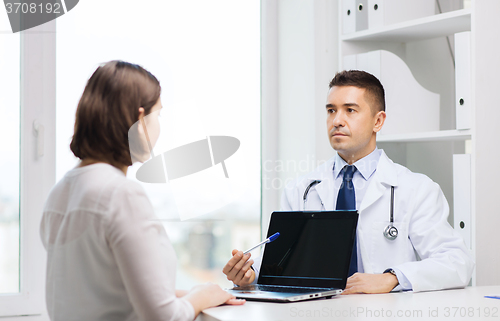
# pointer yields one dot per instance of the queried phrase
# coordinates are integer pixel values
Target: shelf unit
(398, 38)
(442, 135)
(420, 42)
(431, 153)
(439, 25)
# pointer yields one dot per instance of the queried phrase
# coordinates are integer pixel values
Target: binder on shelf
(361, 15)
(410, 107)
(348, 16)
(387, 12)
(463, 101)
(462, 196)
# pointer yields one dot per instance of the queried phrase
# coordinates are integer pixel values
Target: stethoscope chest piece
(391, 232)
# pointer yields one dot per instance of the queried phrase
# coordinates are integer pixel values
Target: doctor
(427, 253)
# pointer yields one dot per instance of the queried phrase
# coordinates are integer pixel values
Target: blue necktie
(346, 200)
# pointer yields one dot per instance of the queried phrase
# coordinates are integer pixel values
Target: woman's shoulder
(111, 186)
(92, 188)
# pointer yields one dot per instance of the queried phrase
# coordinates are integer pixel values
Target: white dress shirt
(108, 258)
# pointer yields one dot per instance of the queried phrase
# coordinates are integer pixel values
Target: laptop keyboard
(288, 289)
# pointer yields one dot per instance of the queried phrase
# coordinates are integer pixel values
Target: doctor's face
(351, 122)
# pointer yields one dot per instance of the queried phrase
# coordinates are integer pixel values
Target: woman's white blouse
(108, 256)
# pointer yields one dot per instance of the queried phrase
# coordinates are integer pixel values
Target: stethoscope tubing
(306, 192)
(392, 205)
(390, 232)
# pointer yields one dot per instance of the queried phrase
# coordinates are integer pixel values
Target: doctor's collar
(366, 166)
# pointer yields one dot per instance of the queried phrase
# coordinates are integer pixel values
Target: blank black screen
(313, 249)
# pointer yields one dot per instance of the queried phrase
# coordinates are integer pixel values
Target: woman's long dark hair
(109, 106)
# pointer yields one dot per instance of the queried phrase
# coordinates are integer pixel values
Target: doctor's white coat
(428, 251)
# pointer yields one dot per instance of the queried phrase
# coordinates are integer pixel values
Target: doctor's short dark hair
(362, 79)
(109, 106)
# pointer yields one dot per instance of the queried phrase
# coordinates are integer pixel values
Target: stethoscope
(390, 232)
(313, 183)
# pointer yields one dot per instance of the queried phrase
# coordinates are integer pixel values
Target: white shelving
(431, 153)
(439, 25)
(442, 135)
(422, 45)
(424, 28)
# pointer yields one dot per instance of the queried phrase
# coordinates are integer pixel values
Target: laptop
(309, 260)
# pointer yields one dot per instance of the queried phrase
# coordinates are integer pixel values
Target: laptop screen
(313, 249)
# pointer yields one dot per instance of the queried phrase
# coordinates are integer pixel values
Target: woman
(108, 258)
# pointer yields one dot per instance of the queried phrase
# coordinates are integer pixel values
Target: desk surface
(461, 304)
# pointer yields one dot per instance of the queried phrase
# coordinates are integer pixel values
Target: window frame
(37, 173)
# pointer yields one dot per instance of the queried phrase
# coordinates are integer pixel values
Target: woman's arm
(180, 293)
(147, 262)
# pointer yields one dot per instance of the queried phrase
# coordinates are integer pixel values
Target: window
(27, 77)
(9, 159)
(206, 55)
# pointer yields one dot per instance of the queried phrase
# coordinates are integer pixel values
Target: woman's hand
(208, 295)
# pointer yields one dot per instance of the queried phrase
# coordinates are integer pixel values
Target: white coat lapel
(384, 176)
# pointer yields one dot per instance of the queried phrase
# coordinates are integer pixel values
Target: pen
(268, 240)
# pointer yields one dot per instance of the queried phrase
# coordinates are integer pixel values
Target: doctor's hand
(370, 283)
(238, 269)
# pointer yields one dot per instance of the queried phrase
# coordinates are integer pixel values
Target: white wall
(299, 58)
(485, 84)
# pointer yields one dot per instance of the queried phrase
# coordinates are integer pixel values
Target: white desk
(462, 304)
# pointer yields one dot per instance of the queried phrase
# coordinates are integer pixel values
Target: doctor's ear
(379, 121)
